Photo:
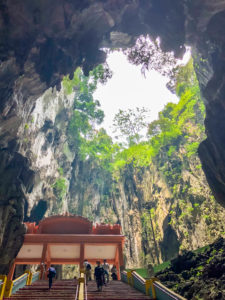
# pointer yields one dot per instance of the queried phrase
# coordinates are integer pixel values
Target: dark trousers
(99, 282)
(50, 282)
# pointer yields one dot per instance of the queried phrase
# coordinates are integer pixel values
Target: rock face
(157, 223)
(43, 40)
(197, 275)
(30, 166)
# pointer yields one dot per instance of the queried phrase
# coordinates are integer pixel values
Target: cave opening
(52, 150)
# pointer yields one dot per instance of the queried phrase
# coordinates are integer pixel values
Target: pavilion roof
(71, 224)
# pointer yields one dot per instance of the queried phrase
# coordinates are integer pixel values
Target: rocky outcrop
(15, 181)
(197, 275)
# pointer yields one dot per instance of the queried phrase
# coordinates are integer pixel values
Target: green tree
(130, 123)
(100, 147)
(86, 109)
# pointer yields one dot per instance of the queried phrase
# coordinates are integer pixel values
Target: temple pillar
(42, 270)
(81, 255)
(118, 269)
(11, 271)
(117, 262)
(47, 267)
(43, 258)
(120, 253)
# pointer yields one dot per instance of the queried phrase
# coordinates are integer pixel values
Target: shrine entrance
(69, 240)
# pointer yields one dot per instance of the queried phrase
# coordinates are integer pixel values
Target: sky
(129, 88)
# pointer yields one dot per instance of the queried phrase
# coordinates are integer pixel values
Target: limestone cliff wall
(44, 40)
(159, 219)
(31, 164)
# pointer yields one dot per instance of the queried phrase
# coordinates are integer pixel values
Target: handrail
(76, 292)
(159, 286)
(29, 277)
(35, 276)
(3, 279)
(151, 287)
(81, 286)
(12, 286)
(20, 282)
(135, 274)
(81, 291)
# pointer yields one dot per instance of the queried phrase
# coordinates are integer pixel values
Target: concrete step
(115, 290)
(61, 290)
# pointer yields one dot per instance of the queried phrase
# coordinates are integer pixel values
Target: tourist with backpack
(99, 274)
(51, 275)
(87, 269)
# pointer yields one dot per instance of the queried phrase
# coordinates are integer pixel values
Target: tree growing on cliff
(86, 109)
(129, 123)
(100, 147)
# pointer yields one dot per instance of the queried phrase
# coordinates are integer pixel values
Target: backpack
(88, 267)
(52, 272)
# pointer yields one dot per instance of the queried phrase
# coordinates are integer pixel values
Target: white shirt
(105, 267)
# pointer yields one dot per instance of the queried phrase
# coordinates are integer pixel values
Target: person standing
(51, 275)
(99, 273)
(87, 269)
(114, 272)
(105, 267)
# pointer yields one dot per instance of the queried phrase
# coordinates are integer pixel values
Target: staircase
(114, 290)
(61, 289)
(66, 289)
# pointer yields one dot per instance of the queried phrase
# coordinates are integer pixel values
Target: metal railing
(81, 291)
(163, 293)
(19, 282)
(12, 286)
(3, 280)
(35, 277)
(151, 287)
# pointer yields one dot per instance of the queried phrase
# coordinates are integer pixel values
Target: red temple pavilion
(69, 240)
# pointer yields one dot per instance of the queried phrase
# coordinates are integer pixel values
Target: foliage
(130, 123)
(173, 139)
(179, 127)
(192, 148)
(100, 74)
(179, 124)
(87, 110)
(161, 267)
(70, 85)
(60, 170)
(60, 188)
(139, 155)
(149, 231)
(99, 147)
(149, 55)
